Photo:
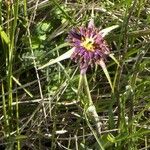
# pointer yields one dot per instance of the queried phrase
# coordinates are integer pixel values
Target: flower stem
(91, 110)
(87, 90)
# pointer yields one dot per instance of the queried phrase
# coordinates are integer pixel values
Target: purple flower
(89, 46)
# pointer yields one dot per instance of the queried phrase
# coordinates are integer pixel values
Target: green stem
(6, 122)
(17, 124)
(91, 110)
(87, 90)
(95, 135)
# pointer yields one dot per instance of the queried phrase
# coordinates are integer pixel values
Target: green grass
(49, 108)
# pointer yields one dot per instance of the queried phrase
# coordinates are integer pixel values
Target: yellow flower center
(88, 44)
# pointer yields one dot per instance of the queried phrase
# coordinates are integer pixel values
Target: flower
(89, 46)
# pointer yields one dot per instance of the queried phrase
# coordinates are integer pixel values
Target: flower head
(89, 46)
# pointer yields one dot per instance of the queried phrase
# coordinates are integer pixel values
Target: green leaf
(4, 36)
(21, 137)
(111, 138)
(42, 28)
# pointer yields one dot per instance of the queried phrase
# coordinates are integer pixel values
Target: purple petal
(91, 54)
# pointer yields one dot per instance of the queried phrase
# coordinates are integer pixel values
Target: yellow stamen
(88, 44)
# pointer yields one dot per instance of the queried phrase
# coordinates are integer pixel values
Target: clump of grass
(41, 109)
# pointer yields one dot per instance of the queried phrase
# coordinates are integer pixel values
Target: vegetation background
(39, 109)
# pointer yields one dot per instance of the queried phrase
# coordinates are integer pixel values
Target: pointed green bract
(58, 59)
(105, 31)
(113, 57)
(102, 64)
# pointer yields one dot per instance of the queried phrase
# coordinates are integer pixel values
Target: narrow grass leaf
(22, 86)
(63, 11)
(57, 48)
